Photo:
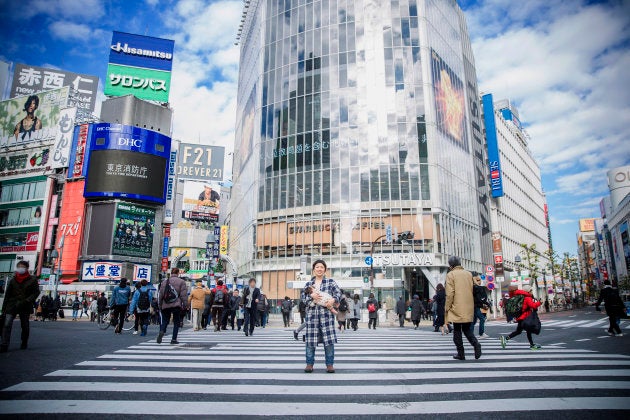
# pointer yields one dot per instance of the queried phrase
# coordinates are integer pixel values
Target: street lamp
(54, 255)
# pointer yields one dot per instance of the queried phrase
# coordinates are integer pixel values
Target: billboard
(60, 153)
(141, 51)
(494, 158)
(225, 230)
(127, 162)
(101, 271)
(449, 101)
(142, 272)
(200, 162)
(618, 184)
(133, 230)
(24, 161)
(201, 201)
(29, 118)
(152, 85)
(587, 225)
(71, 224)
(76, 169)
(28, 80)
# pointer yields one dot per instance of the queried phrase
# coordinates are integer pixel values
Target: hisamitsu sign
(200, 162)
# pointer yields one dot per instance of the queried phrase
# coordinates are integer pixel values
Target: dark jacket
(235, 301)
(440, 300)
(286, 306)
(481, 297)
(101, 303)
(247, 298)
(207, 304)
(612, 301)
(401, 307)
(263, 303)
(20, 297)
(372, 315)
(416, 309)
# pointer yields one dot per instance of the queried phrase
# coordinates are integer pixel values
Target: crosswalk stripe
(202, 408)
(277, 352)
(392, 389)
(299, 376)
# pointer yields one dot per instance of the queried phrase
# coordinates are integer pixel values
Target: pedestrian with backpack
(342, 312)
(172, 302)
(251, 296)
(220, 299)
(119, 302)
(196, 301)
(372, 307)
(614, 306)
(286, 307)
(460, 307)
(141, 306)
(520, 306)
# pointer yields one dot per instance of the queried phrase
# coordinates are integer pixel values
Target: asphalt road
(74, 370)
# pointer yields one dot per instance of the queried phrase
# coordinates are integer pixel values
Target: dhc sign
(494, 160)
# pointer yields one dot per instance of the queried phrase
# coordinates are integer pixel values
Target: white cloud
(70, 31)
(66, 9)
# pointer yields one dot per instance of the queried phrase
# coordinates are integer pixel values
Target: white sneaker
(135, 333)
(484, 335)
(620, 335)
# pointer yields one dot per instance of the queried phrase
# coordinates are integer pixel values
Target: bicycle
(108, 319)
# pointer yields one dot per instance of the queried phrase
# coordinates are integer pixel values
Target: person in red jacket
(529, 304)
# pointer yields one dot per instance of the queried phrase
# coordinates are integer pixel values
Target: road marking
(202, 408)
(558, 344)
(584, 339)
(253, 389)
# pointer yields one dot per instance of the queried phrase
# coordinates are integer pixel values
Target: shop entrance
(417, 283)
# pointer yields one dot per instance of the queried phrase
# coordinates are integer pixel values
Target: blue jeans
(329, 351)
(482, 321)
(75, 312)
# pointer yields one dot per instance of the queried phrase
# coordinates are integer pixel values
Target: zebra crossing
(570, 323)
(383, 373)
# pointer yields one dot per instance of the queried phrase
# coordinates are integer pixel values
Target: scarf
(21, 277)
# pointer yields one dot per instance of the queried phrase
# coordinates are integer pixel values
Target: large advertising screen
(449, 101)
(28, 80)
(133, 231)
(152, 85)
(494, 159)
(201, 201)
(127, 162)
(141, 51)
(29, 118)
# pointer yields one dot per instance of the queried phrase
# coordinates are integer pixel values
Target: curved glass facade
(355, 126)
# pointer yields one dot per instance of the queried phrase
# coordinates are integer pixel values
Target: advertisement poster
(200, 162)
(201, 201)
(28, 118)
(133, 231)
(28, 80)
(152, 85)
(449, 101)
(101, 270)
(24, 162)
(60, 154)
(225, 230)
(141, 51)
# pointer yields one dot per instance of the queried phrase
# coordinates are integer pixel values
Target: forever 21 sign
(200, 162)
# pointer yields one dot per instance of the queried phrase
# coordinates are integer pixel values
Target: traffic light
(405, 236)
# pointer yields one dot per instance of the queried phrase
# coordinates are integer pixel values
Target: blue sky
(563, 63)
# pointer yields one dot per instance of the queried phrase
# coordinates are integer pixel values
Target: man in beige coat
(460, 307)
(197, 302)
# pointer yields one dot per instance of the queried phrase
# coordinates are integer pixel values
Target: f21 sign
(200, 162)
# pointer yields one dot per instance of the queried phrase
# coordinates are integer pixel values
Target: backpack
(371, 308)
(143, 301)
(514, 306)
(170, 294)
(219, 297)
(286, 306)
(343, 306)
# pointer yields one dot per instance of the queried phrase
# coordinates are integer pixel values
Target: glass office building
(358, 133)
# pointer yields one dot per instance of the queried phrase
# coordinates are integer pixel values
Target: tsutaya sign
(404, 260)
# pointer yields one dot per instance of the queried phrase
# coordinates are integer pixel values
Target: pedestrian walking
(416, 311)
(523, 300)
(233, 305)
(401, 311)
(251, 296)
(101, 305)
(286, 307)
(136, 319)
(372, 307)
(196, 301)
(357, 312)
(20, 294)
(614, 306)
(342, 312)
(76, 306)
(263, 308)
(320, 322)
(220, 297)
(206, 315)
(439, 304)
(172, 302)
(481, 307)
(141, 306)
(84, 308)
(119, 302)
(302, 311)
(93, 310)
(350, 312)
(460, 307)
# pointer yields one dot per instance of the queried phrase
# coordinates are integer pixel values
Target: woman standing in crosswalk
(320, 322)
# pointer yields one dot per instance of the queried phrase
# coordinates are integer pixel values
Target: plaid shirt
(319, 318)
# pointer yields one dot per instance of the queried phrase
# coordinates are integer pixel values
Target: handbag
(532, 323)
